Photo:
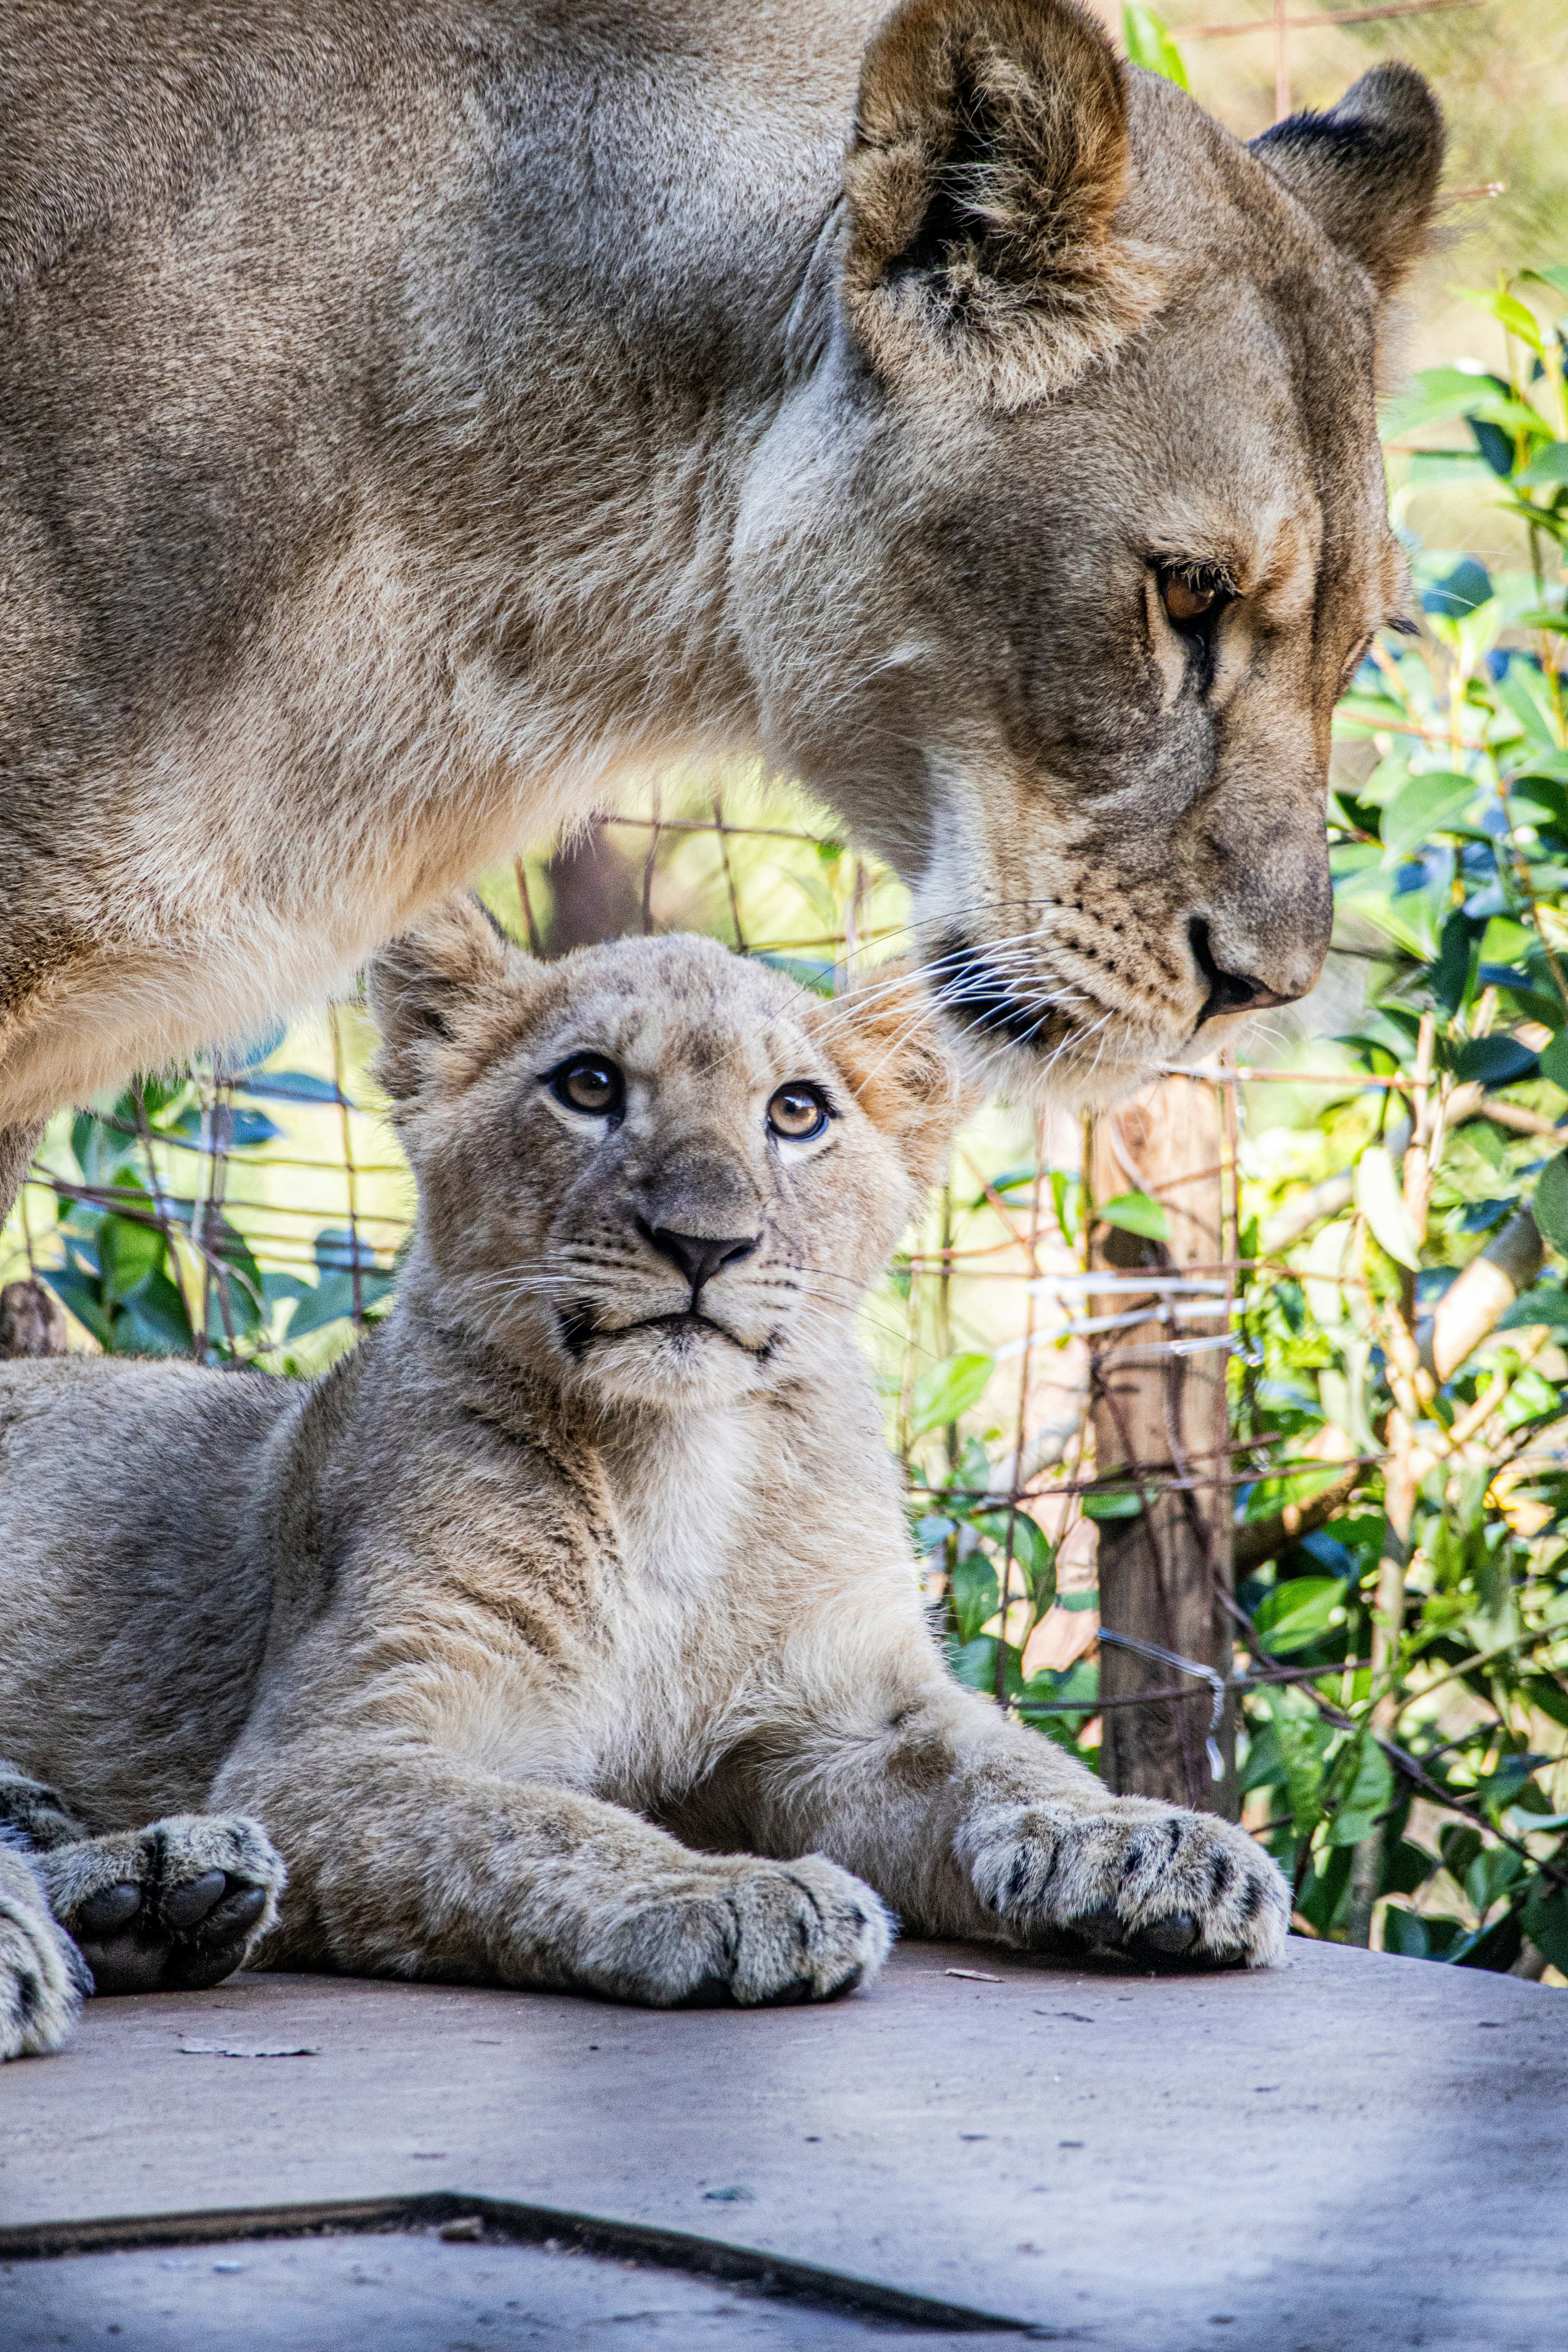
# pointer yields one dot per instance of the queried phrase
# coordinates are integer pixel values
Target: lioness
(567, 1631)
(414, 415)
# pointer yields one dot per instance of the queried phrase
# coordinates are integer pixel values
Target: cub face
(1060, 554)
(653, 1172)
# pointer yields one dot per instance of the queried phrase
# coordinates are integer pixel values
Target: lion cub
(567, 1631)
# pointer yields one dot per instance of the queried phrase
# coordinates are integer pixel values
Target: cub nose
(700, 1257)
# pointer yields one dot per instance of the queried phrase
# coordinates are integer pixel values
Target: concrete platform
(1351, 2152)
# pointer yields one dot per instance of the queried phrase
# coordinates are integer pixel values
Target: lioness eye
(589, 1083)
(1190, 594)
(798, 1113)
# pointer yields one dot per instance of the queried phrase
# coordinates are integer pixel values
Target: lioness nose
(700, 1257)
(1228, 992)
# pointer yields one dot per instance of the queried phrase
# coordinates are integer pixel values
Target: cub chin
(567, 1631)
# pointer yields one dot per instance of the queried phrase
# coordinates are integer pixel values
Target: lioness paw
(1134, 1876)
(175, 1907)
(754, 1933)
(42, 1977)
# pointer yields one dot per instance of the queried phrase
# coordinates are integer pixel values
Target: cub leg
(407, 1863)
(971, 1824)
(175, 1905)
(42, 1976)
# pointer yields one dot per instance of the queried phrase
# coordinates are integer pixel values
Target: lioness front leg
(971, 1824)
(402, 1862)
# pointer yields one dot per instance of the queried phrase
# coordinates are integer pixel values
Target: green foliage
(1450, 831)
(1135, 1212)
(1147, 43)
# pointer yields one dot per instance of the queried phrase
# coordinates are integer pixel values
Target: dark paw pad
(102, 1913)
(183, 1937)
(1170, 1937)
(186, 1907)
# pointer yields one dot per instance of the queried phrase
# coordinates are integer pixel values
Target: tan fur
(551, 1643)
(418, 418)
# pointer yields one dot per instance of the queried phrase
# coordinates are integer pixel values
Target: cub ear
(1367, 171)
(891, 1046)
(988, 155)
(422, 983)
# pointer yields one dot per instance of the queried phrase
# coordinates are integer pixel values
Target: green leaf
(1545, 1921)
(1297, 1613)
(974, 1664)
(974, 1593)
(1435, 394)
(945, 1393)
(152, 1321)
(1424, 806)
(1032, 1549)
(1551, 1202)
(1381, 1202)
(1547, 470)
(1135, 1212)
(1495, 1061)
(290, 1086)
(1508, 312)
(332, 1299)
(1363, 1785)
(1404, 1932)
(1147, 43)
(1112, 1507)
(127, 1252)
(79, 1292)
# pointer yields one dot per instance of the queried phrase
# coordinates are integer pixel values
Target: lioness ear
(1367, 171)
(988, 156)
(422, 982)
(891, 1046)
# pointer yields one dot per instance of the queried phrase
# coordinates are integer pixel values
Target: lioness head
(651, 1170)
(1073, 525)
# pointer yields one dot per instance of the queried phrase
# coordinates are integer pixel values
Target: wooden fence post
(1163, 1420)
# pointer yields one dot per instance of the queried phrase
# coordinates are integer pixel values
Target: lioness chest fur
(568, 1631)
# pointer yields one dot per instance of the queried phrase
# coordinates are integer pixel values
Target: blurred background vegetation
(1394, 1484)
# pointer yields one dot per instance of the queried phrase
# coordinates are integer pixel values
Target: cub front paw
(757, 1934)
(172, 1907)
(42, 1977)
(1155, 1883)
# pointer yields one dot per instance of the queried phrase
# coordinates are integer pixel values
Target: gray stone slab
(411, 2294)
(1351, 2152)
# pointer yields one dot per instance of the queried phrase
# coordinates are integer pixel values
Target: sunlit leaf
(1426, 805)
(1551, 1202)
(947, 1390)
(1381, 1202)
(1297, 1613)
(1135, 1212)
(1548, 470)
(1363, 1789)
(1508, 312)
(974, 1593)
(1147, 40)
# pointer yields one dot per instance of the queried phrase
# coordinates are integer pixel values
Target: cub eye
(1193, 593)
(798, 1113)
(589, 1083)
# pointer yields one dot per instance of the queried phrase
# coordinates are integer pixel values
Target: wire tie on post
(1184, 1666)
